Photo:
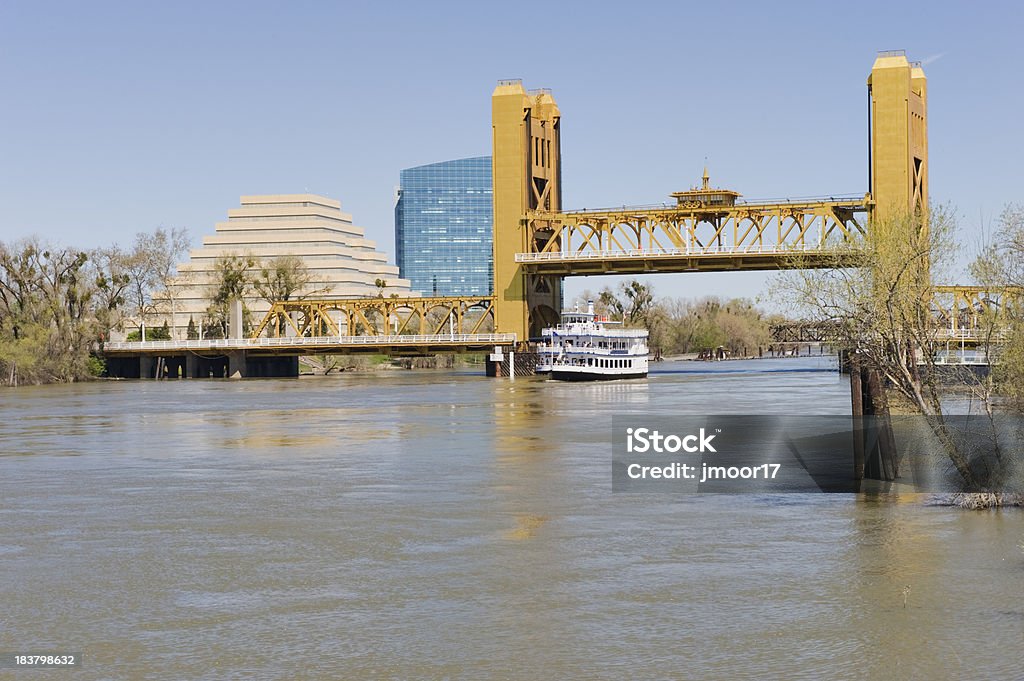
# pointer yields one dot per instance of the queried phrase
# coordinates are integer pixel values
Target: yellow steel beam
(372, 316)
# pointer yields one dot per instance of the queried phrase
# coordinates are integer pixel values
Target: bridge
(696, 236)
(707, 228)
(537, 243)
(290, 329)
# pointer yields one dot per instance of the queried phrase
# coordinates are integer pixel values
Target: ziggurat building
(344, 263)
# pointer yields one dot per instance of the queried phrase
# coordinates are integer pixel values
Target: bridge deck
(642, 260)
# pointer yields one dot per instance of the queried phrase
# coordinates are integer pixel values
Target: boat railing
(594, 351)
(584, 330)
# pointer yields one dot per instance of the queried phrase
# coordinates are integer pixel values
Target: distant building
(343, 262)
(443, 227)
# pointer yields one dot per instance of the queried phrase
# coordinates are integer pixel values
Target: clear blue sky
(120, 117)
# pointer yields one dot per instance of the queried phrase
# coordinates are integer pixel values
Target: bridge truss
(433, 316)
(682, 238)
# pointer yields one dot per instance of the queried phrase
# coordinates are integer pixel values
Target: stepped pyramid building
(336, 252)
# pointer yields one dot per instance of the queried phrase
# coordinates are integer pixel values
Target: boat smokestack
(590, 307)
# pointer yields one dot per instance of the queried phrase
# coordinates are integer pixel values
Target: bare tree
(882, 309)
(234, 274)
(286, 278)
(150, 265)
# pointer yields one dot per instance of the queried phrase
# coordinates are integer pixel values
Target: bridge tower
(527, 169)
(898, 124)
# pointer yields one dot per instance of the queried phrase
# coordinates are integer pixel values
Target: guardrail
(305, 341)
(763, 249)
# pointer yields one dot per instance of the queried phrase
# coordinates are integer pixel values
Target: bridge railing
(306, 341)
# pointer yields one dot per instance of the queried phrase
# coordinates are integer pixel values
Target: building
(443, 227)
(342, 261)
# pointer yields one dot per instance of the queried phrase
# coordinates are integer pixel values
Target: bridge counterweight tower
(527, 160)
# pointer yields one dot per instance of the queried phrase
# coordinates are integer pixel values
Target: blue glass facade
(443, 223)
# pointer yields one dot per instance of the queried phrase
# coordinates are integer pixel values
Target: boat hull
(592, 376)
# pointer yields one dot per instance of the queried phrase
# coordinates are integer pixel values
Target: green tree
(47, 321)
(639, 301)
(610, 302)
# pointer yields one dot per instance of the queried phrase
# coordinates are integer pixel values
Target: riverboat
(588, 347)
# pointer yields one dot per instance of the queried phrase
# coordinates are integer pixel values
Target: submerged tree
(882, 308)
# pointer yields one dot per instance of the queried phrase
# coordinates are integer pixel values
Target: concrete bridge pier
(237, 364)
(147, 366)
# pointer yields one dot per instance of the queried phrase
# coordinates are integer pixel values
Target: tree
(112, 281)
(639, 300)
(47, 324)
(150, 266)
(882, 309)
(232, 281)
(285, 278)
(610, 302)
(1000, 268)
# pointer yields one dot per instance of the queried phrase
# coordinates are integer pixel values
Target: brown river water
(443, 525)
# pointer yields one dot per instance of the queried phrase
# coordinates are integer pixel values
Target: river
(443, 525)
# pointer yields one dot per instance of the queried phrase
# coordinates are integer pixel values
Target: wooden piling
(857, 402)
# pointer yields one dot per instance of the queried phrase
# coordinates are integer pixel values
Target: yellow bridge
(694, 238)
(372, 317)
(537, 243)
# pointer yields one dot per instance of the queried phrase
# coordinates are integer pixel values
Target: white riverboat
(586, 347)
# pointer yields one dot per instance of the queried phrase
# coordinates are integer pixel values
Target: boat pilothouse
(586, 347)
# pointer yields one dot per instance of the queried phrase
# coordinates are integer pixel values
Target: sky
(120, 117)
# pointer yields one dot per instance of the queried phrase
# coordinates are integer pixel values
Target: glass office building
(443, 222)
